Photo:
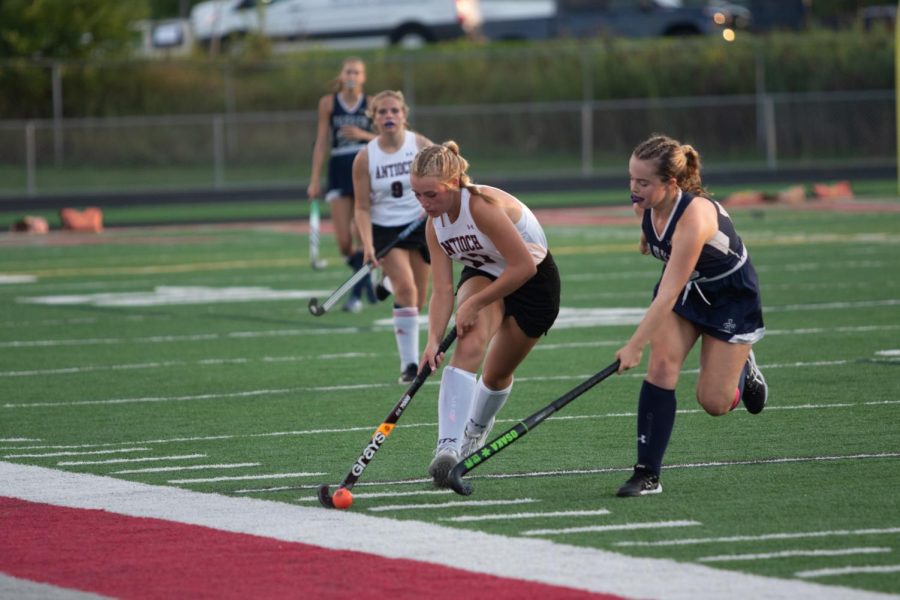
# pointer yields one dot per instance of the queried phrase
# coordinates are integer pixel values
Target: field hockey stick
(318, 310)
(385, 429)
(314, 222)
(518, 431)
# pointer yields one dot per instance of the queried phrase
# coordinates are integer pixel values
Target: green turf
(265, 382)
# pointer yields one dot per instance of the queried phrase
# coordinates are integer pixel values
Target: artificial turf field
(186, 357)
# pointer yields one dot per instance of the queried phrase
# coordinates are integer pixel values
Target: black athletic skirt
(535, 305)
(382, 236)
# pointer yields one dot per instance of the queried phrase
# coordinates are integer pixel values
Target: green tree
(70, 29)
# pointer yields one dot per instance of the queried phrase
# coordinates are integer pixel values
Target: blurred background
(146, 98)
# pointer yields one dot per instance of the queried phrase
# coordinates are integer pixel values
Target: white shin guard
(406, 331)
(486, 405)
(454, 406)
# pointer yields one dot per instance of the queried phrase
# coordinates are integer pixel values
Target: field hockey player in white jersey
(507, 296)
(385, 206)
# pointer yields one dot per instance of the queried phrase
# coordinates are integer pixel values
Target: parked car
(542, 19)
(373, 23)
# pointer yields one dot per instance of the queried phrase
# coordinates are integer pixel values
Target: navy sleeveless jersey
(348, 115)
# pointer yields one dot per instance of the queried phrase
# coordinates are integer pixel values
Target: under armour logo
(470, 226)
(642, 439)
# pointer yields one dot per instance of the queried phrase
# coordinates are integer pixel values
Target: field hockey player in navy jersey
(708, 291)
(343, 118)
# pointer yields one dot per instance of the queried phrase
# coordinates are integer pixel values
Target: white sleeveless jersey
(392, 198)
(463, 242)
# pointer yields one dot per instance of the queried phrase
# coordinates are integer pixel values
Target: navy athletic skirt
(729, 308)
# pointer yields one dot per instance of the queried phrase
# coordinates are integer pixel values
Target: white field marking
(113, 461)
(888, 353)
(454, 504)
(9, 279)
(166, 339)
(186, 468)
(24, 589)
(576, 321)
(246, 477)
(526, 515)
(530, 559)
(359, 386)
(789, 553)
(72, 453)
(765, 536)
(605, 528)
(372, 494)
(181, 363)
(175, 295)
(687, 411)
(570, 472)
(578, 345)
(19, 439)
(848, 571)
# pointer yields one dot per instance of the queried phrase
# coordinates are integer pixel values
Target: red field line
(130, 557)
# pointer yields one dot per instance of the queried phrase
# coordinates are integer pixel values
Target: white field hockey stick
(314, 261)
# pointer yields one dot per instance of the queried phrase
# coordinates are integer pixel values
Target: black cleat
(643, 482)
(756, 391)
(409, 373)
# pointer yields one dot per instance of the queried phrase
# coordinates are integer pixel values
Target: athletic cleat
(471, 442)
(439, 469)
(353, 305)
(409, 373)
(756, 391)
(643, 482)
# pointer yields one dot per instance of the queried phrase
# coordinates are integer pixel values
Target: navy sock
(355, 262)
(656, 417)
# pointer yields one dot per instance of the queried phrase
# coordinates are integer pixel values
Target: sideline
(530, 560)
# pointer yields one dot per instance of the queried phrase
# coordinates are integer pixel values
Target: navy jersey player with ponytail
(343, 117)
(708, 291)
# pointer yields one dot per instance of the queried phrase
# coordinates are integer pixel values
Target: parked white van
(372, 23)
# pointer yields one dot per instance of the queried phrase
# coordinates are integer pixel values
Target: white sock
(485, 406)
(454, 404)
(406, 330)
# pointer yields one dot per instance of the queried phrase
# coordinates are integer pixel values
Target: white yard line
(521, 558)
(790, 553)
(848, 571)
(202, 337)
(182, 363)
(765, 536)
(357, 496)
(73, 453)
(605, 528)
(186, 468)
(526, 515)
(370, 385)
(112, 461)
(453, 504)
(247, 477)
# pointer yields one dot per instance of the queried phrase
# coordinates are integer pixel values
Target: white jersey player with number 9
(385, 206)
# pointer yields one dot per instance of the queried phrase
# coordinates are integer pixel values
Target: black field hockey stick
(518, 431)
(320, 309)
(385, 429)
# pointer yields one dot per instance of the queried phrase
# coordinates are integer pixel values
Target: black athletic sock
(355, 262)
(656, 417)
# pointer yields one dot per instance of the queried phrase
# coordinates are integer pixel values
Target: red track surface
(129, 557)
